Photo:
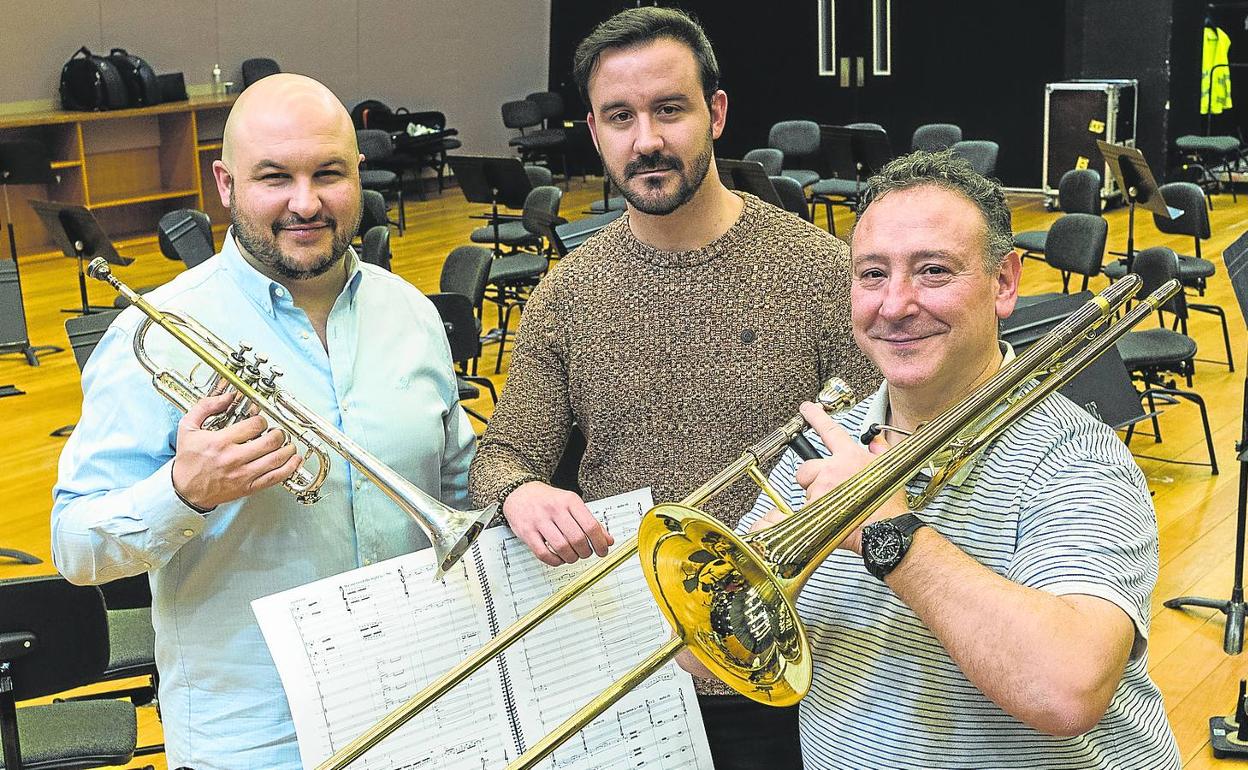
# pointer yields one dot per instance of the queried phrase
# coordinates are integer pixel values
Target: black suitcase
(141, 83)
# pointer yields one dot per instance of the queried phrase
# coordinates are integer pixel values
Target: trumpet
(731, 599)
(451, 532)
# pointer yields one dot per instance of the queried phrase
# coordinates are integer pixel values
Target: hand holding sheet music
(352, 647)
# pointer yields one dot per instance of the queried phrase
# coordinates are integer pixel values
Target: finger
(879, 445)
(244, 430)
(557, 542)
(277, 475)
(830, 431)
(205, 408)
(573, 533)
(265, 443)
(267, 462)
(598, 535)
(537, 544)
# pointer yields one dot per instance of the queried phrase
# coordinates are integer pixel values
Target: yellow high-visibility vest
(1215, 85)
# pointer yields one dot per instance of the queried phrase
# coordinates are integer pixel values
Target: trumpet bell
(726, 604)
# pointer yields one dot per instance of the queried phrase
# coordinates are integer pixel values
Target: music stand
(491, 180)
(78, 235)
(23, 162)
(1135, 179)
(748, 175)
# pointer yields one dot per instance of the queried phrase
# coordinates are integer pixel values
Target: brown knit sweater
(672, 363)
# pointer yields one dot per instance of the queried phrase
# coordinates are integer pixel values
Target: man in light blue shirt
(143, 488)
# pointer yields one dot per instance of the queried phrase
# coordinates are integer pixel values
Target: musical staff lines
(351, 648)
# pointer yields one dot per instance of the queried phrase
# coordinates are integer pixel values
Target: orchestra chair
(461, 333)
(375, 249)
(980, 153)
(934, 137)
(1153, 354)
(53, 638)
(799, 140)
(1078, 192)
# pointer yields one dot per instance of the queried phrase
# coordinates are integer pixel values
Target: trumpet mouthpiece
(99, 270)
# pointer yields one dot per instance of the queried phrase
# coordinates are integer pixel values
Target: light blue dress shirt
(386, 381)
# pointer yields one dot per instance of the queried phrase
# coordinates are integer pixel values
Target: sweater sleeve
(527, 433)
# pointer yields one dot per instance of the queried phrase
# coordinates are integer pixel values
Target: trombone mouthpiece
(99, 270)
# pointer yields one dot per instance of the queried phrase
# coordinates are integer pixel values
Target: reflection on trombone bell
(450, 531)
(731, 598)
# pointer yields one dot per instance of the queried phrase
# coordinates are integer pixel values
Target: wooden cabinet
(128, 166)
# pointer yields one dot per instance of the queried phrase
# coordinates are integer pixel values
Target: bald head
(290, 175)
(275, 106)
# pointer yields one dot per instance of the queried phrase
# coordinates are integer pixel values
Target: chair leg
(1226, 334)
(1152, 409)
(1196, 399)
(402, 212)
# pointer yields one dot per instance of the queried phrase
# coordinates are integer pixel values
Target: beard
(652, 200)
(263, 246)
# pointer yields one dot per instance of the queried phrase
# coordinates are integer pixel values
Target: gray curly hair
(954, 173)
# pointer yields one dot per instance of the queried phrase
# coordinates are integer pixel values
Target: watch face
(884, 547)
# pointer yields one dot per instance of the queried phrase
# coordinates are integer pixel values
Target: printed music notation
(353, 647)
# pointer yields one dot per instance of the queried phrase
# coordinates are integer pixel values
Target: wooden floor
(1195, 511)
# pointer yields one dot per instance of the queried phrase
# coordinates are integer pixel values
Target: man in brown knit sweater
(677, 336)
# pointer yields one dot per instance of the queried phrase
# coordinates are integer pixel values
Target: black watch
(884, 543)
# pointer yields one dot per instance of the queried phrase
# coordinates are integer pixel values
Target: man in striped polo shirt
(1005, 624)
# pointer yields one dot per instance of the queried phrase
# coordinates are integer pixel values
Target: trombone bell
(698, 569)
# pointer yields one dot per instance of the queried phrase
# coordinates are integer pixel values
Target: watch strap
(905, 526)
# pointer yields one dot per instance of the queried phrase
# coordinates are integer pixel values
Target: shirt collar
(265, 292)
(877, 411)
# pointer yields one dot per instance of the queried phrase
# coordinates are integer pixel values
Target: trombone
(451, 532)
(731, 599)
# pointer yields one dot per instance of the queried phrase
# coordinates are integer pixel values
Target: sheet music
(352, 647)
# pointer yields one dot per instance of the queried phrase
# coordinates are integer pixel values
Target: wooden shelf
(158, 195)
(66, 164)
(210, 147)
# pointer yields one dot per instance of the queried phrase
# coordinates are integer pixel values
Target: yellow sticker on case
(1097, 126)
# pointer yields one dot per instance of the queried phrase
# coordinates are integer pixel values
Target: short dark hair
(638, 26)
(954, 173)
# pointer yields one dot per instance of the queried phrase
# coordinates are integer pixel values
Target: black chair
(255, 69)
(466, 271)
(791, 195)
(53, 638)
(569, 235)
(1204, 154)
(378, 149)
(1151, 355)
(461, 333)
(980, 153)
(1194, 270)
(772, 160)
(1078, 192)
(799, 140)
(534, 143)
(514, 233)
(186, 235)
(513, 275)
(376, 247)
(373, 213)
(934, 137)
(848, 160)
(1076, 245)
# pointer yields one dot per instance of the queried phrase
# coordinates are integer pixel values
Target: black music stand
(78, 235)
(1135, 179)
(493, 181)
(23, 162)
(748, 175)
(1229, 735)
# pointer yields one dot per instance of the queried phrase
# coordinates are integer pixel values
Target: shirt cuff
(162, 509)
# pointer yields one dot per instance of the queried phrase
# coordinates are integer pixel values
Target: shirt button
(279, 291)
(146, 565)
(188, 532)
(305, 335)
(359, 484)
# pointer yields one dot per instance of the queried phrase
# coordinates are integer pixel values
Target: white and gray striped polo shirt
(1056, 503)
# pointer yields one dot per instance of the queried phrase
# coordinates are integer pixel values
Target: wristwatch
(884, 543)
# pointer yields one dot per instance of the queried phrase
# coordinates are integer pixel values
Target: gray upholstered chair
(377, 148)
(934, 137)
(53, 638)
(255, 69)
(799, 141)
(1151, 355)
(376, 247)
(791, 195)
(1078, 192)
(1204, 153)
(534, 142)
(981, 153)
(771, 158)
